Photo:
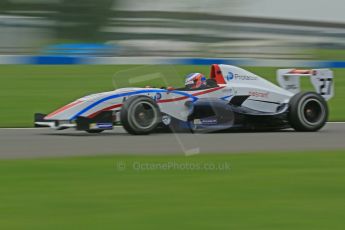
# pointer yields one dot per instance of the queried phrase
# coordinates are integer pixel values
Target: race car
(231, 99)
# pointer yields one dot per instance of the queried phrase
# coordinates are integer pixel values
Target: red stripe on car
(63, 109)
(208, 91)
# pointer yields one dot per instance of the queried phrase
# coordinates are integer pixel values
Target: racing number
(326, 86)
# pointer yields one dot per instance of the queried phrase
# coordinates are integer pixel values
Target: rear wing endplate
(321, 79)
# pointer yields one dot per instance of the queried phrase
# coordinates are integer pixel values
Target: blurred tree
(4, 6)
(82, 19)
(79, 20)
(28, 8)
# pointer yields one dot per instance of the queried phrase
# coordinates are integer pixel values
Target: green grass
(260, 191)
(329, 54)
(26, 89)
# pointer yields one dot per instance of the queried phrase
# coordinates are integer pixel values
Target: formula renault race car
(232, 98)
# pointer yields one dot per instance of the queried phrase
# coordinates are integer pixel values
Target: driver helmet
(195, 80)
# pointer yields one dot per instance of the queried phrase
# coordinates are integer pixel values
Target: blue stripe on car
(226, 98)
(130, 94)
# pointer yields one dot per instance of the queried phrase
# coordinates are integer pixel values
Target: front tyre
(140, 115)
(308, 112)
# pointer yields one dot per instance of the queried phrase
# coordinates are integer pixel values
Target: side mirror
(190, 106)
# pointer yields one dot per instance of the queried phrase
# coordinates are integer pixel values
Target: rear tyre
(140, 115)
(308, 112)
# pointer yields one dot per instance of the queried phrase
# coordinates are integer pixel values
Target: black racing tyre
(140, 115)
(94, 130)
(308, 112)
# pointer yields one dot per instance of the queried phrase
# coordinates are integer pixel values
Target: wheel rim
(144, 115)
(312, 111)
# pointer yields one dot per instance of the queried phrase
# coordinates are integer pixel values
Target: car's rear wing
(321, 79)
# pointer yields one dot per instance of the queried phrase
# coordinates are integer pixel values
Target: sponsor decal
(245, 77)
(197, 122)
(206, 121)
(105, 125)
(230, 76)
(93, 126)
(101, 126)
(157, 97)
(259, 94)
(166, 119)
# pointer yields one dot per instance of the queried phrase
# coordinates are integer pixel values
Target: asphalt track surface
(31, 143)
